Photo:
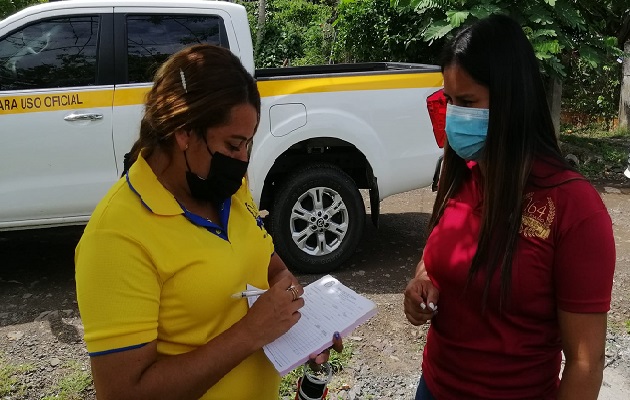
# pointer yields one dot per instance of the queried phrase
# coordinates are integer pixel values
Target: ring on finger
(294, 291)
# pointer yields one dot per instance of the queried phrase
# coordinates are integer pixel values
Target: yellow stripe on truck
(135, 96)
(55, 101)
(72, 100)
(281, 87)
(130, 96)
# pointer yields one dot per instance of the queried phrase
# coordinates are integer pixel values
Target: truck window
(151, 39)
(49, 54)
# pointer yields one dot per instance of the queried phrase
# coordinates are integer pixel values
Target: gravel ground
(42, 355)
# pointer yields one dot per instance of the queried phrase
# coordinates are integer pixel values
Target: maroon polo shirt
(565, 259)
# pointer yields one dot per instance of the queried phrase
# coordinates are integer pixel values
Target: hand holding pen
(275, 311)
(258, 292)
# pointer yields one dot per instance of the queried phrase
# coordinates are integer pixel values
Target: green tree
(561, 31)
(8, 7)
(592, 95)
(295, 32)
(568, 36)
(373, 30)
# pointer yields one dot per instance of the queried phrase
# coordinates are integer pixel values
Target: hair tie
(181, 74)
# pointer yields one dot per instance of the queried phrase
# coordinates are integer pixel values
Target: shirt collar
(153, 195)
(475, 171)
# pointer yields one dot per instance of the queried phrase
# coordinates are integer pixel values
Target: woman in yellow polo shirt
(175, 237)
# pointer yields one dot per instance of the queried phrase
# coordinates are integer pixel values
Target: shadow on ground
(386, 257)
(37, 276)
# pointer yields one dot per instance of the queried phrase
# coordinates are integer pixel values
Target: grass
(628, 326)
(601, 152)
(72, 386)
(69, 387)
(9, 384)
(338, 361)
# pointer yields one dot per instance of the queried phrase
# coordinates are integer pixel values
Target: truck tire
(317, 219)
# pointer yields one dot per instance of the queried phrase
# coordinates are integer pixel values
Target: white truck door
(56, 150)
(145, 38)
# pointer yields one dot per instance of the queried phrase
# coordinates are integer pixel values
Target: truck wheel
(317, 219)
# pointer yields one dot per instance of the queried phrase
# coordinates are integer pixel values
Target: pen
(247, 293)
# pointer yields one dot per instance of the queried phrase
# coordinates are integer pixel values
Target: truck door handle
(83, 117)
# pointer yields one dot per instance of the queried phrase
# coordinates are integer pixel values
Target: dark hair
(195, 89)
(495, 52)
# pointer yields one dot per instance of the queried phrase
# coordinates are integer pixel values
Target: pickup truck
(73, 75)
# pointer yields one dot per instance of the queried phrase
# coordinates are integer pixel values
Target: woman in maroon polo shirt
(521, 255)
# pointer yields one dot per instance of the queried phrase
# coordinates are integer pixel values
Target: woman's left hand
(315, 360)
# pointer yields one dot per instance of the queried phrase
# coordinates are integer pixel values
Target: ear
(182, 139)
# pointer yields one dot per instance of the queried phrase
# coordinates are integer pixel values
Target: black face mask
(225, 178)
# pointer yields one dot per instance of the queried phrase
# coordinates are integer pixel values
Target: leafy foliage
(8, 7)
(297, 32)
(302, 32)
(575, 40)
(564, 33)
(592, 94)
(373, 30)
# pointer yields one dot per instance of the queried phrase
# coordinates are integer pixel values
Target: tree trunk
(624, 97)
(554, 99)
(260, 27)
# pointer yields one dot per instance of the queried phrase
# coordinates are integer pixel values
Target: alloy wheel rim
(319, 221)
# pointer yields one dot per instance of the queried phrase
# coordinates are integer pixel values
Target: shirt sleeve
(584, 265)
(118, 291)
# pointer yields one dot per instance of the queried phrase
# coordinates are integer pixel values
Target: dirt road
(40, 326)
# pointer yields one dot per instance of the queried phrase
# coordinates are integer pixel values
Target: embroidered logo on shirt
(537, 217)
(253, 210)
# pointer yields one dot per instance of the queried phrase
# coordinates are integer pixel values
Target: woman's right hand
(274, 312)
(421, 298)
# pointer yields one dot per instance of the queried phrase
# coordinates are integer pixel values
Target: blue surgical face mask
(466, 130)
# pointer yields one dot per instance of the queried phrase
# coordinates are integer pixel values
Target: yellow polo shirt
(147, 269)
